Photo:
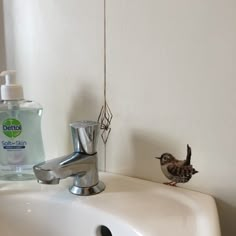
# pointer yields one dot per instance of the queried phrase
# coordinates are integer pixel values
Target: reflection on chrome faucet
(81, 164)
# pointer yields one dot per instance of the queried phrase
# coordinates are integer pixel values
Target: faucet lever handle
(85, 136)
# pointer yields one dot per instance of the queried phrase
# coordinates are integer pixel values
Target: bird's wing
(188, 157)
(180, 163)
(177, 170)
(174, 169)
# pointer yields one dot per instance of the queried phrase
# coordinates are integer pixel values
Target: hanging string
(105, 55)
(105, 115)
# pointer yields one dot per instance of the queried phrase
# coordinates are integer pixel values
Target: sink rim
(118, 189)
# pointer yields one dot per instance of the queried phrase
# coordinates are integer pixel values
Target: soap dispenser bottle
(21, 144)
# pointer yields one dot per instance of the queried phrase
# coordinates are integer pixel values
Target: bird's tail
(189, 154)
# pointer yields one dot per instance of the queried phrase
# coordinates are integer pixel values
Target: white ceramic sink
(128, 207)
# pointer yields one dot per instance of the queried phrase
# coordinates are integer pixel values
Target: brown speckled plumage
(178, 171)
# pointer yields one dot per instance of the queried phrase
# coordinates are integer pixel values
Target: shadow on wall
(2, 40)
(145, 147)
(227, 217)
(84, 106)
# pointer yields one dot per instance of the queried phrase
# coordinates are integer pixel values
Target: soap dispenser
(21, 144)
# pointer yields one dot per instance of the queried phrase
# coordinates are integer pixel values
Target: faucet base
(99, 187)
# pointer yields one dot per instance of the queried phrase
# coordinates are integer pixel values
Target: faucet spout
(50, 172)
(81, 165)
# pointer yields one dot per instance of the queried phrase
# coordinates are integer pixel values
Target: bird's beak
(158, 158)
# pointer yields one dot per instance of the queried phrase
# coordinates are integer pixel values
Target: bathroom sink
(127, 207)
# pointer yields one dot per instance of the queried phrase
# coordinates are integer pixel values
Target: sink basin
(127, 207)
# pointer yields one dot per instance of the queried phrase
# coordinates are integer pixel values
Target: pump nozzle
(10, 90)
(10, 76)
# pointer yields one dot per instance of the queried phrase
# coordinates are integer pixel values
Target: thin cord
(105, 76)
(105, 57)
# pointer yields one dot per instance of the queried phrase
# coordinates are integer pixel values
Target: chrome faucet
(81, 164)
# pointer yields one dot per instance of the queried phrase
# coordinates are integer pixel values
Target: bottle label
(11, 128)
(21, 143)
(14, 145)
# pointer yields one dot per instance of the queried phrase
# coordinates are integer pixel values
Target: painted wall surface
(171, 81)
(2, 42)
(56, 46)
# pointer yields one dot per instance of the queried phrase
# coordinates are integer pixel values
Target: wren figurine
(178, 171)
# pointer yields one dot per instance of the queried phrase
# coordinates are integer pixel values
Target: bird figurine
(178, 171)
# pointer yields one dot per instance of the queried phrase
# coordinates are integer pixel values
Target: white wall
(56, 46)
(2, 41)
(171, 81)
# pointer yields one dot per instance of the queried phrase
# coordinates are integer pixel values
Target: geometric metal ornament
(104, 119)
